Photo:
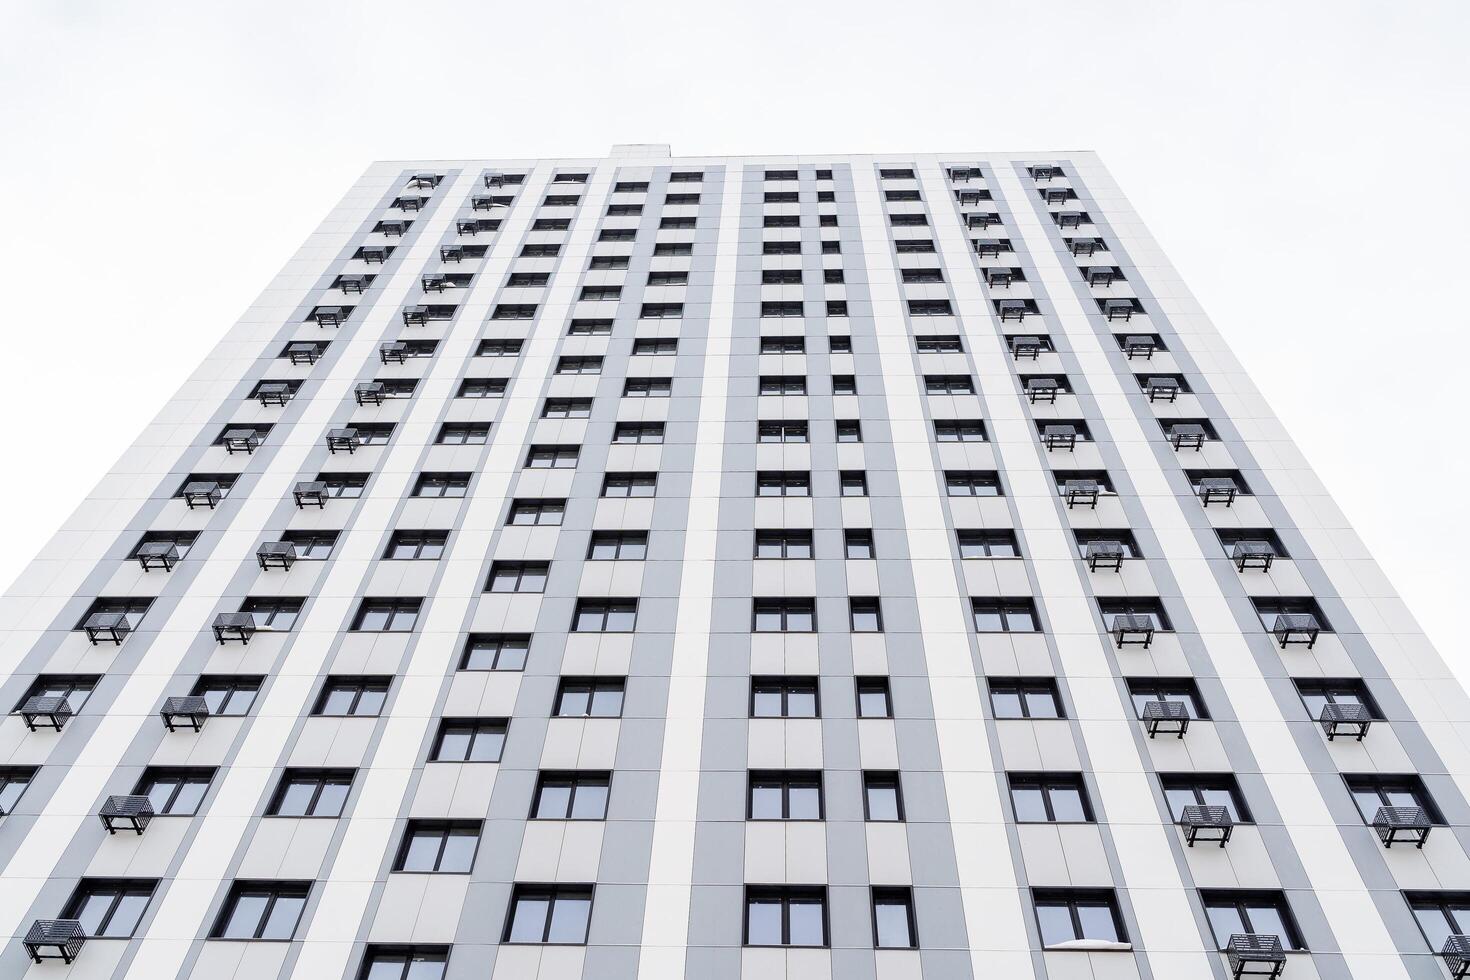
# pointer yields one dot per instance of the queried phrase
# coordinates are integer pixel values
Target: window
(596, 293)
(416, 546)
(132, 610)
(848, 430)
(110, 908)
(1203, 789)
(783, 483)
(527, 279)
(923, 275)
(630, 187)
(579, 365)
(959, 430)
(514, 311)
(618, 545)
(442, 485)
(783, 544)
(987, 544)
(469, 740)
(495, 651)
(1049, 798)
(1262, 913)
(655, 345)
(782, 384)
(840, 344)
(661, 311)
(1440, 915)
(589, 697)
(630, 484)
(13, 783)
(567, 408)
(676, 199)
(844, 384)
(785, 794)
(1317, 694)
(74, 688)
(1149, 609)
(227, 694)
(481, 388)
(551, 914)
(311, 545)
(404, 963)
(785, 916)
(608, 262)
(795, 432)
(873, 698)
(681, 221)
(499, 348)
(882, 798)
(782, 221)
(648, 387)
(852, 483)
(352, 696)
(1371, 791)
(673, 248)
(311, 793)
(552, 457)
(273, 613)
(639, 433)
(1069, 915)
(686, 177)
(1269, 609)
(387, 615)
(551, 224)
(539, 250)
(781, 277)
(1121, 537)
(571, 796)
(518, 576)
(536, 511)
(262, 910)
(782, 308)
(906, 246)
(1004, 615)
(181, 541)
(171, 790)
(463, 434)
(783, 345)
(784, 616)
(784, 697)
(948, 384)
(972, 483)
(938, 344)
(865, 615)
(893, 919)
(624, 210)
(1025, 697)
(605, 616)
(439, 846)
(344, 485)
(219, 483)
(930, 307)
(780, 248)
(858, 543)
(1181, 690)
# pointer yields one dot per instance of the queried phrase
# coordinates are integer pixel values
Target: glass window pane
(370, 703)
(764, 922)
(569, 920)
(245, 916)
(454, 744)
(459, 850)
(620, 619)
(1097, 922)
(590, 802)
(338, 701)
(1225, 922)
(1056, 924)
(93, 909)
(1066, 804)
(606, 703)
(574, 701)
(422, 851)
(1029, 803)
(872, 704)
(1436, 927)
(766, 703)
(765, 801)
(1020, 620)
(528, 921)
(554, 801)
(1178, 798)
(283, 917)
(801, 703)
(1267, 919)
(1041, 704)
(191, 794)
(487, 746)
(125, 916)
(1219, 797)
(806, 923)
(882, 803)
(332, 798)
(422, 967)
(892, 919)
(1006, 704)
(805, 802)
(987, 620)
(767, 619)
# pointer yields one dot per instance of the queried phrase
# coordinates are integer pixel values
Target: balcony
(395, 351)
(190, 711)
(312, 492)
(1042, 390)
(126, 813)
(158, 554)
(1119, 309)
(1217, 490)
(109, 627)
(44, 711)
(1456, 955)
(273, 393)
(1105, 554)
(303, 353)
(1026, 348)
(234, 627)
(1254, 954)
(1062, 436)
(1301, 628)
(54, 939)
(1187, 435)
(1129, 629)
(1345, 718)
(245, 441)
(1253, 554)
(1166, 717)
(329, 316)
(343, 440)
(1206, 823)
(276, 554)
(1161, 389)
(368, 392)
(1081, 492)
(1141, 345)
(1396, 824)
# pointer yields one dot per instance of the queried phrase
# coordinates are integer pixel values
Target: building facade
(850, 567)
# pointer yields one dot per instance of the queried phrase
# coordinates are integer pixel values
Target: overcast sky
(1303, 163)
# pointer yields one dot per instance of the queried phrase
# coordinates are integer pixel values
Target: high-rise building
(840, 567)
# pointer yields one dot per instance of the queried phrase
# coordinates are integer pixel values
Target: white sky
(1303, 163)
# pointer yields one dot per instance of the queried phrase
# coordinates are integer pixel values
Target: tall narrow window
(893, 919)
